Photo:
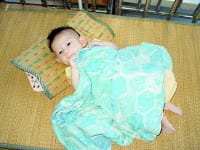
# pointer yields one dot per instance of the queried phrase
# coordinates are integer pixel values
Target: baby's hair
(57, 31)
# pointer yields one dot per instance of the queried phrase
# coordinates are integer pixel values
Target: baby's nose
(66, 53)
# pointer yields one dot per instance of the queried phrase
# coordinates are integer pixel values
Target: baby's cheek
(66, 61)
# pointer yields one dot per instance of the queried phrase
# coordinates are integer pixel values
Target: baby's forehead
(63, 36)
(68, 32)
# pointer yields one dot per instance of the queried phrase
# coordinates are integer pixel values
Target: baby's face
(65, 45)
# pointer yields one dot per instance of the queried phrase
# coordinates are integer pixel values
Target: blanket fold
(120, 97)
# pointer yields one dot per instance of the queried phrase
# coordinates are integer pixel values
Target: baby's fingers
(93, 44)
(72, 60)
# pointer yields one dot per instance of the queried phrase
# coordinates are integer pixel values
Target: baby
(66, 42)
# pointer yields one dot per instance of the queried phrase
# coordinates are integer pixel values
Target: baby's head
(65, 42)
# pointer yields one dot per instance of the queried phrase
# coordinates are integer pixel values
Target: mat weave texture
(25, 116)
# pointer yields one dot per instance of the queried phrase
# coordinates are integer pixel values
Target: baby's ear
(83, 41)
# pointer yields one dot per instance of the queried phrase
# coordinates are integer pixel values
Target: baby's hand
(94, 43)
(102, 43)
(72, 61)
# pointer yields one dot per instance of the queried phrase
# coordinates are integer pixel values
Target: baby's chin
(66, 63)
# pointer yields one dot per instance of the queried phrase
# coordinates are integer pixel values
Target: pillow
(86, 24)
(39, 62)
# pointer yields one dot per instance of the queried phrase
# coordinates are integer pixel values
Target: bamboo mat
(25, 116)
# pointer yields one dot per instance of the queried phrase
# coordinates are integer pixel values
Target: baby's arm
(103, 43)
(74, 72)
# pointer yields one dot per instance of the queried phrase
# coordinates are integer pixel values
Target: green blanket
(120, 97)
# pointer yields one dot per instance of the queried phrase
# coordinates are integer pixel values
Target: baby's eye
(68, 44)
(60, 52)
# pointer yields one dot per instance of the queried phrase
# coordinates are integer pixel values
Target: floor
(25, 115)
